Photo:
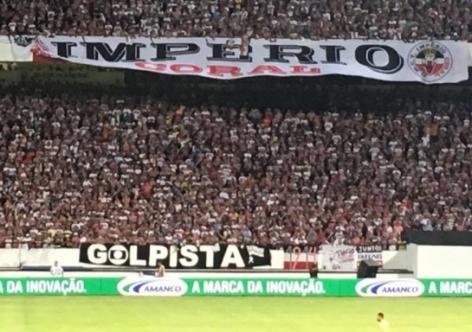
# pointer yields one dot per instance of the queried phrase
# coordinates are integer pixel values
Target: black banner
(439, 238)
(371, 253)
(175, 257)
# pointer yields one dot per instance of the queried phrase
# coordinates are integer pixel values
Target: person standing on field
(161, 270)
(383, 324)
(56, 270)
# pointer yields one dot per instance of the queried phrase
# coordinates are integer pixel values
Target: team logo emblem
(23, 41)
(430, 60)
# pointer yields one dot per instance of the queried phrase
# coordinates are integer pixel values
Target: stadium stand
(315, 19)
(77, 168)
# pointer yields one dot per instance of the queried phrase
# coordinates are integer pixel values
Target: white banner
(338, 258)
(16, 49)
(423, 61)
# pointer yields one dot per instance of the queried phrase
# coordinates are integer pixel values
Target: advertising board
(142, 285)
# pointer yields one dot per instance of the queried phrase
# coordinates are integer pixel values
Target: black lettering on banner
(177, 257)
(370, 252)
(64, 49)
(365, 56)
(333, 54)
(169, 51)
(277, 53)
(221, 52)
(128, 52)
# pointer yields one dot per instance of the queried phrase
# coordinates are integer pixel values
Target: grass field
(103, 314)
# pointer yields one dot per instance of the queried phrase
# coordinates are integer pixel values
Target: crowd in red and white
(314, 19)
(75, 169)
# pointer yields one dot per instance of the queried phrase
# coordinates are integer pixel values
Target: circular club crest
(430, 60)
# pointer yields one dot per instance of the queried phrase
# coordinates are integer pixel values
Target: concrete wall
(395, 260)
(441, 261)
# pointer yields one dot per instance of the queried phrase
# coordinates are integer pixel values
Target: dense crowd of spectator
(316, 19)
(75, 169)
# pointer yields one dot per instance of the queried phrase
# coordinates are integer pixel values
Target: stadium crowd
(75, 169)
(315, 19)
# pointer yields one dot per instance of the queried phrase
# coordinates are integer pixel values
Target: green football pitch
(104, 314)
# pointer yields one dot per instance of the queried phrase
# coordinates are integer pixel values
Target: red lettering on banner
(298, 69)
(265, 69)
(220, 71)
(186, 69)
(151, 66)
